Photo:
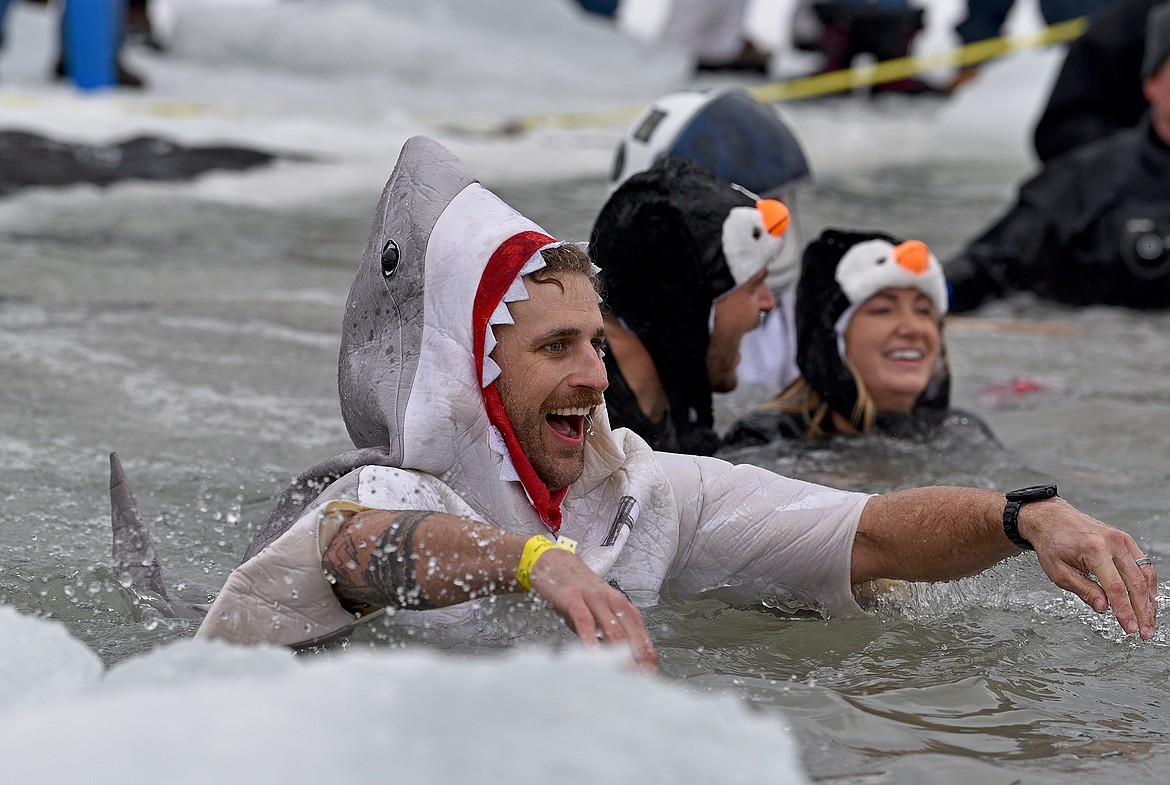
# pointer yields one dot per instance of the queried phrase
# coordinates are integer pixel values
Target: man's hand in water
(594, 610)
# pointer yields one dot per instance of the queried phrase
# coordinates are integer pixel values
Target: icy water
(199, 341)
(194, 328)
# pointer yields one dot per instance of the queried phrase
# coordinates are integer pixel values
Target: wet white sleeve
(749, 536)
(281, 595)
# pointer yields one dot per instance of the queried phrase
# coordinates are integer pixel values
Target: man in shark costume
(456, 491)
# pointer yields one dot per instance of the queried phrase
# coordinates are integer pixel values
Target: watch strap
(1011, 525)
(1011, 511)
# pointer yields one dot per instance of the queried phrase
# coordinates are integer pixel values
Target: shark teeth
(491, 371)
(497, 445)
(516, 292)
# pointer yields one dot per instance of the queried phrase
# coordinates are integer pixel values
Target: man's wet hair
(566, 258)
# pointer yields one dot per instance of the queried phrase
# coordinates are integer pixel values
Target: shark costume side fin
(133, 549)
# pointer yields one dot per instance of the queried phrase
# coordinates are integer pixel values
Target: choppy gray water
(199, 341)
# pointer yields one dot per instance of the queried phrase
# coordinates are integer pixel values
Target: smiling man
(555, 377)
(471, 382)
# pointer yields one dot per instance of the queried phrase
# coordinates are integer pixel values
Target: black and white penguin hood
(672, 240)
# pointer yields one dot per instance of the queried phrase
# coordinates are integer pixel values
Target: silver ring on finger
(1143, 561)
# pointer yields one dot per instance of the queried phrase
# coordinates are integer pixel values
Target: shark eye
(390, 257)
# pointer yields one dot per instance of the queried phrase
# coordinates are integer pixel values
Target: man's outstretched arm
(941, 533)
(420, 559)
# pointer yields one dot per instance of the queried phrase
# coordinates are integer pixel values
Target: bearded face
(551, 374)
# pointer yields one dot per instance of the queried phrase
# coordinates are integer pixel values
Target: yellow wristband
(533, 548)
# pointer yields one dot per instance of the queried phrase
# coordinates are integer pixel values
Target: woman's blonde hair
(801, 399)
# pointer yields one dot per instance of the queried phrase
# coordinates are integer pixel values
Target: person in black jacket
(1093, 227)
(1099, 88)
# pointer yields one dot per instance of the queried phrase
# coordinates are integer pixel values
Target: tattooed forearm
(419, 559)
(394, 567)
(379, 569)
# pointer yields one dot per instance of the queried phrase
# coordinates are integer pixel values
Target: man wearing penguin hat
(687, 260)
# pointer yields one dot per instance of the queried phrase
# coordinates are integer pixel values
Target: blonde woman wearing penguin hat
(869, 335)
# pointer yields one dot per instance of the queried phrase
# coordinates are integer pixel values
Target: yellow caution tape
(180, 110)
(904, 67)
(168, 109)
(803, 87)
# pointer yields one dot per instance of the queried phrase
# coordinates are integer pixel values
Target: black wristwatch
(1011, 511)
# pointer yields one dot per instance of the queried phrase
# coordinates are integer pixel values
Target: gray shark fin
(133, 552)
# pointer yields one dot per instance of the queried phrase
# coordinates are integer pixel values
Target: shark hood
(415, 374)
(416, 377)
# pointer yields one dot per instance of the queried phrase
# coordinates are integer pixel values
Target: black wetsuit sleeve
(1016, 252)
(991, 265)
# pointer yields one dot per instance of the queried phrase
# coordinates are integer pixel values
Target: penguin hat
(840, 271)
(671, 241)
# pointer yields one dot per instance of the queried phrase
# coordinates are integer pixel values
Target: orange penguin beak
(775, 216)
(913, 255)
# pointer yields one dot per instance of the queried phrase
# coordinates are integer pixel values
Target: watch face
(1032, 493)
